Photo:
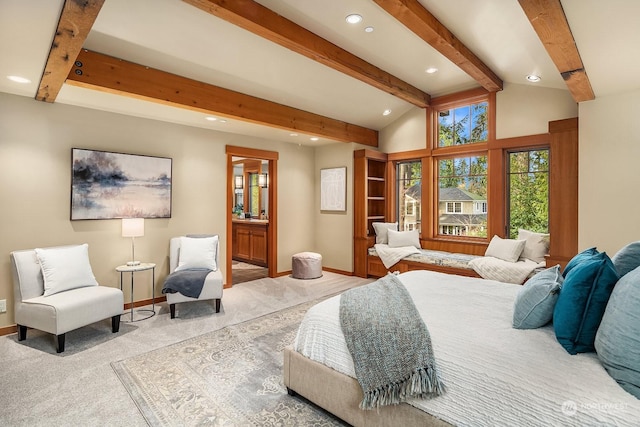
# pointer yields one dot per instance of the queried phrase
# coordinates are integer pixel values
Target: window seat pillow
(618, 338)
(536, 245)
(582, 302)
(382, 228)
(398, 239)
(505, 249)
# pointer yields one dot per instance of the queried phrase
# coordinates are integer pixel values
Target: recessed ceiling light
(314, 138)
(386, 112)
(211, 119)
(293, 134)
(368, 30)
(222, 121)
(19, 79)
(354, 18)
(533, 78)
(431, 70)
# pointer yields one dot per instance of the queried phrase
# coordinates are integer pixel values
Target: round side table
(135, 269)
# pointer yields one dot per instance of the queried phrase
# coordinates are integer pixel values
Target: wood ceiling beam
(426, 26)
(75, 22)
(108, 74)
(550, 23)
(265, 23)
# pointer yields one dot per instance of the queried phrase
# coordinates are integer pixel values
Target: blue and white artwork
(108, 185)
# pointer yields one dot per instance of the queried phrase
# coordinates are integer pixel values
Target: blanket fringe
(423, 383)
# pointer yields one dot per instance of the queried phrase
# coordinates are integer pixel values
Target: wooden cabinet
(249, 242)
(370, 201)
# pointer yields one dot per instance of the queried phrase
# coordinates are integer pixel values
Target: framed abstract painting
(106, 185)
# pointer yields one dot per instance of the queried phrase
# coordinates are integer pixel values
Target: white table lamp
(133, 227)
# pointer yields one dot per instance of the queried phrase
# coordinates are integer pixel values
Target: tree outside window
(528, 180)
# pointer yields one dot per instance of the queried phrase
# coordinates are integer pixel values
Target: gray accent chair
(213, 284)
(62, 312)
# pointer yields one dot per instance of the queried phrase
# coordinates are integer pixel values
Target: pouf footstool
(306, 265)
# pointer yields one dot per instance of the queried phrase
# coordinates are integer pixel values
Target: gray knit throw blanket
(389, 343)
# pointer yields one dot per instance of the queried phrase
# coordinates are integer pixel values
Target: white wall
(609, 177)
(527, 110)
(35, 178)
(520, 110)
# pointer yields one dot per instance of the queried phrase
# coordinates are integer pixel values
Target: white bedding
(495, 375)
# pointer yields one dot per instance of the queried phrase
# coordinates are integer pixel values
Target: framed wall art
(333, 189)
(107, 185)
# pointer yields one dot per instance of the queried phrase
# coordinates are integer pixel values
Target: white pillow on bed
(382, 228)
(197, 253)
(65, 268)
(398, 239)
(505, 249)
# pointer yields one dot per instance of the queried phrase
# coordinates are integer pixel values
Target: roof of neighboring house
(449, 194)
(463, 219)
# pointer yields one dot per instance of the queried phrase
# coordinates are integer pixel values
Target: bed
(495, 375)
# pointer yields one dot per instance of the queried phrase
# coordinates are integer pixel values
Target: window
(454, 207)
(463, 125)
(462, 186)
(409, 191)
(528, 192)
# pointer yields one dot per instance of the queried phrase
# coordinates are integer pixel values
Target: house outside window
(409, 194)
(462, 188)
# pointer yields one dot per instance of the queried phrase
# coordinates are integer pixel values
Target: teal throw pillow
(582, 301)
(534, 304)
(618, 339)
(576, 260)
(627, 258)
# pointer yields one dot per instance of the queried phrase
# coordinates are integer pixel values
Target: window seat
(456, 263)
(444, 262)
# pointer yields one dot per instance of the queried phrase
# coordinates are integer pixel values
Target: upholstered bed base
(341, 395)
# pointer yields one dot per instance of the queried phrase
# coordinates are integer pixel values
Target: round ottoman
(306, 265)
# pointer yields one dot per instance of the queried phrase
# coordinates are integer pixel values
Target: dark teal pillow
(627, 258)
(582, 301)
(582, 256)
(618, 338)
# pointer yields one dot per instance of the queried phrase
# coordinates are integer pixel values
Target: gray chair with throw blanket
(195, 273)
(55, 291)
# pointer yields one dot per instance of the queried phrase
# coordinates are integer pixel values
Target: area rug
(228, 377)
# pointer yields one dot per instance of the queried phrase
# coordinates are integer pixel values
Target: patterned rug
(228, 377)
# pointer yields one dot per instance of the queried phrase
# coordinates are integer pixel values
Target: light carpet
(79, 387)
(232, 376)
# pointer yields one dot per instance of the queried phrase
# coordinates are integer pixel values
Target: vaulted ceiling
(295, 69)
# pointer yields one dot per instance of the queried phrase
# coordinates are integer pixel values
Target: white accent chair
(61, 312)
(213, 284)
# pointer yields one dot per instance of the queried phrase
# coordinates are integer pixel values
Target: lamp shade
(238, 182)
(132, 227)
(263, 180)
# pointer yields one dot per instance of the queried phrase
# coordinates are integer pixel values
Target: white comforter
(495, 375)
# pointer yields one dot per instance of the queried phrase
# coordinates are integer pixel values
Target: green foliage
(529, 191)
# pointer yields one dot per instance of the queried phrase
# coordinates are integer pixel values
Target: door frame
(272, 229)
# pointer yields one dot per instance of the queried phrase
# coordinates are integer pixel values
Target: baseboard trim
(127, 306)
(283, 273)
(335, 270)
(8, 330)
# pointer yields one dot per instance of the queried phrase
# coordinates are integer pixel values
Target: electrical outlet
(3, 305)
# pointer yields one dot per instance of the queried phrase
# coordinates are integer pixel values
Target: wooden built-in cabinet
(250, 241)
(371, 202)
